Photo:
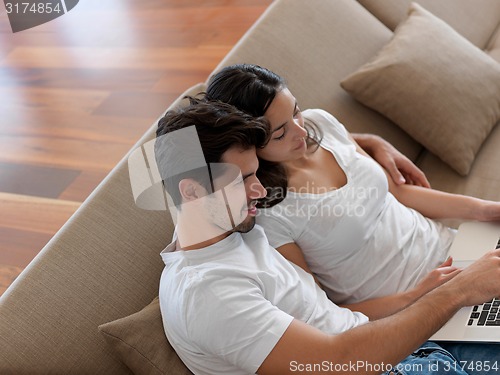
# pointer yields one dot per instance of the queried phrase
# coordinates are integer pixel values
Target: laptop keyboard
(488, 313)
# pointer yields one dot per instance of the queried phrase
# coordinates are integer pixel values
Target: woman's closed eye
(280, 137)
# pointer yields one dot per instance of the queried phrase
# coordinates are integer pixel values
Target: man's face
(236, 212)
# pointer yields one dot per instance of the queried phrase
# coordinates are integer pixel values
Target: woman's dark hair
(252, 88)
(219, 127)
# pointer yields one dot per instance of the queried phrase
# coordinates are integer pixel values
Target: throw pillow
(435, 85)
(139, 341)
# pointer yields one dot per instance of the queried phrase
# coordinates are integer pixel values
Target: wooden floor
(76, 94)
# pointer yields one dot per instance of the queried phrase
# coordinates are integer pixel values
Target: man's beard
(246, 226)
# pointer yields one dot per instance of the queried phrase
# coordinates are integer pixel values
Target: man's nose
(257, 191)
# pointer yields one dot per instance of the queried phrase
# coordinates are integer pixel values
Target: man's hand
(480, 281)
(400, 168)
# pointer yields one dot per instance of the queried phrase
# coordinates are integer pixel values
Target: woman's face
(288, 139)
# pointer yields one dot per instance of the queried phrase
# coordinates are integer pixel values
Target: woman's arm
(378, 308)
(436, 204)
(382, 307)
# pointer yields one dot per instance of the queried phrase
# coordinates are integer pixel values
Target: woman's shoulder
(318, 113)
(331, 128)
(324, 120)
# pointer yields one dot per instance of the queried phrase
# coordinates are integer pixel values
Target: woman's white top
(358, 239)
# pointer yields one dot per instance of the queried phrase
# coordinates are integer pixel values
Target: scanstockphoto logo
(25, 14)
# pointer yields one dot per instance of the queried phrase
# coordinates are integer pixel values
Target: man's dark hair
(219, 126)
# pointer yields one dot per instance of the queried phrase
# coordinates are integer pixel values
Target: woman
(334, 211)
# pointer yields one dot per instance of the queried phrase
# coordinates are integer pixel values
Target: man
(232, 305)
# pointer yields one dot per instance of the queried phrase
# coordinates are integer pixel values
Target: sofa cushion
(483, 180)
(493, 47)
(476, 20)
(139, 341)
(434, 84)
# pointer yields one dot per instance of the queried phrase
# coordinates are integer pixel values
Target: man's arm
(389, 340)
(400, 168)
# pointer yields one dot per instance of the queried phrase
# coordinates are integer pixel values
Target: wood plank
(8, 274)
(34, 180)
(19, 247)
(39, 215)
(175, 81)
(80, 101)
(66, 124)
(135, 104)
(80, 78)
(193, 58)
(83, 185)
(57, 152)
(179, 27)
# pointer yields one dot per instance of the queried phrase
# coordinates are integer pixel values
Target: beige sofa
(104, 264)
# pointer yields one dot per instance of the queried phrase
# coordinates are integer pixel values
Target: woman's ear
(189, 189)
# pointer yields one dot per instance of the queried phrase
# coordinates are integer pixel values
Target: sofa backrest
(476, 20)
(314, 47)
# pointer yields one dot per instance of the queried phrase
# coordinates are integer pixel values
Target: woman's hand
(400, 168)
(438, 276)
(381, 307)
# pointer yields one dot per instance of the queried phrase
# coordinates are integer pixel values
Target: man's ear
(189, 189)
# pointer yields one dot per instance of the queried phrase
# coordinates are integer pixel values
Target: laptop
(479, 323)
